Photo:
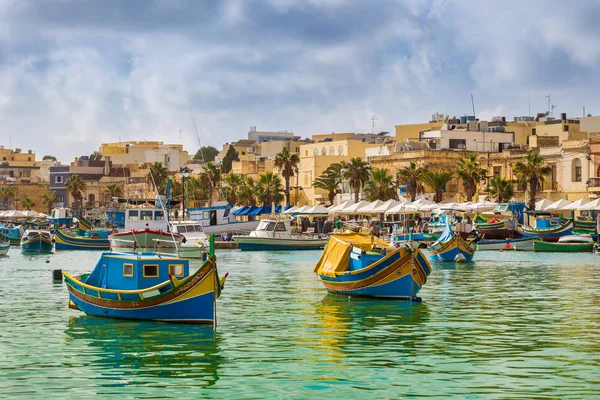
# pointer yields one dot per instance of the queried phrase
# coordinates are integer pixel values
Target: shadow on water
(126, 351)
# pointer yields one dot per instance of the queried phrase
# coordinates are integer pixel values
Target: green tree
(329, 180)
(157, 175)
(412, 177)
(211, 180)
(269, 189)
(437, 182)
(357, 173)
(7, 193)
(49, 199)
(76, 186)
(246, 194)
(533, 172)
(52, 158)
(380, 187)
(500, 189)
(27, 203)
(113, 190)
(206, 154)
(229, 158)
(287, 163)
(233, 184)
(470, 172)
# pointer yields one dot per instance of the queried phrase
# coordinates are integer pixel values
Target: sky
(77, 73)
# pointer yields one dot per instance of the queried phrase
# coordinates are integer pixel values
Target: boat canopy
(336, 257)
(446, 234)
(257, 210)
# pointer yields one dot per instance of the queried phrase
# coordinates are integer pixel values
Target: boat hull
(191, 301)
(399, 275)
(64, 241)
(550, 234)
(230, 228)
(496, 230)
(455, 249)
(505, 244)
(36, 245)
(541, 246)
(249, 243)
(4, 248)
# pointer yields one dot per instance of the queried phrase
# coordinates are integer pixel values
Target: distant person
(176, 214)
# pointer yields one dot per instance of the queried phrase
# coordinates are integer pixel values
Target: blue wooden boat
(11, 234)
(547, 228)
(355, 264)
(452, 247)
(91, 240)
(36, 241)
(148, 286)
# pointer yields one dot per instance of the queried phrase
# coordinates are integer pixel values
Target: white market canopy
(482, 205)
(558, 205)
(290, 210)
(31, 213)
(403, 208)
(542, 204)
(14, 214)
(370, 207)
(386, 206)
(593, 205)
(340, 207)
(316, 210)
(576, 205)
(353, 209)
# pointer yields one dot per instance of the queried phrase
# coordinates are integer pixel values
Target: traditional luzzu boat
(584, 226)
(547, 228)
(12, 234)
(504, 244)
(149, 286)
(567, 244)
(452, 246)
(496, 230)
(36, 241)
(355, 264)
(4, 247)
(274, 233)
(91, 240)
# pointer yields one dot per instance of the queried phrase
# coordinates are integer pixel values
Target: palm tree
(246, 194)
(157, 175)
(75, 185)
(27, 203)
(49, 198)
(287, 163)
(113, 190)
(470, 172)
(412, 176)
(357, 173)
(532, 171)
(329, 183)
(233, 183)
(500, 189)
(269, 189)
(211, 178)
(437, 182)
(6, 192)
(380, 185)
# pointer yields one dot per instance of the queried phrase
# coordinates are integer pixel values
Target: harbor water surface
(508, 325)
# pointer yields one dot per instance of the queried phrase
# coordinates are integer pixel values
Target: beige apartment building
(132, 153)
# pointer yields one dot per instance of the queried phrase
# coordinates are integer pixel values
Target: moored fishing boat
(355, 264)
(92, 240)
(452, 246)
(584, 226)
(36, 241)
(567, 244)
(4, 248)
(12, 234)
(148, 286)
(195, 241)
(547, 228)
(504, 244)
(274, 233)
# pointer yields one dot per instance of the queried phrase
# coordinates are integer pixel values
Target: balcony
(593, 184)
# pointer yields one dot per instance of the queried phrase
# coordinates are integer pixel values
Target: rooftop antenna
(373, 118)
(473, 104)
(552, 107)
(549, 96)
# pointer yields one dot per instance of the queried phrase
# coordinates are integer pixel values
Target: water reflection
(125, 351)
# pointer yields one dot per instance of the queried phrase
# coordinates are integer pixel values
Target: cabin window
(270, 227)
(146, 215)
(127, 269)
(151, 271)
(159, 215)
(205, 214)
(182, 229)
(280, 227)
(176, 269)
(226, 213)
(133, 215)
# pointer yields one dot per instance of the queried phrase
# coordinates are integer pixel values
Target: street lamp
(184, 173)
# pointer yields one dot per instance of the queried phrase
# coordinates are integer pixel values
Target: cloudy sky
(75, 73)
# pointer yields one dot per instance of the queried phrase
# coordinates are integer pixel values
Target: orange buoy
(507, 245)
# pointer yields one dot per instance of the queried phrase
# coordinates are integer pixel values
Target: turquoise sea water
(508, 325)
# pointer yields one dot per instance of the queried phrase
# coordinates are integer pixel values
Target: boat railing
(157, 246)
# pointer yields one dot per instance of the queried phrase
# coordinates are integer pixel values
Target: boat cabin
(218, 214)
(183, 227)
(132, 272)
(360, 259)
(542, 220)
(272, 228)
(142, 218)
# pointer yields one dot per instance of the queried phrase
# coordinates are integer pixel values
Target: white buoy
(460, 258)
